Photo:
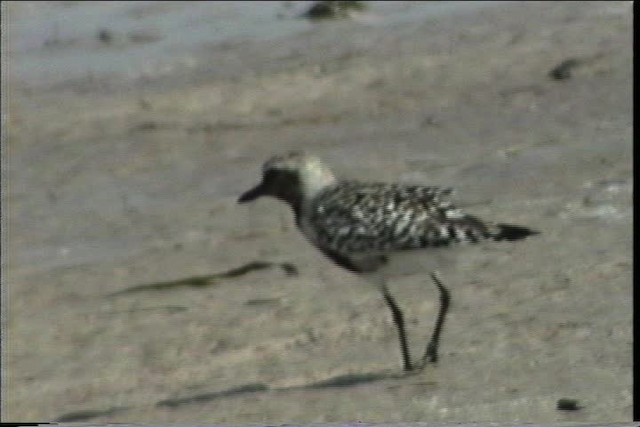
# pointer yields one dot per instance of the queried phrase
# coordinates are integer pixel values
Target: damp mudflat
(136, 289)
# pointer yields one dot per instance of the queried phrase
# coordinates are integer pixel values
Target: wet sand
(114, 185)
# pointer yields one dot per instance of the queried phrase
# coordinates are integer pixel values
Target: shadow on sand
(208, 280)
(346, 380)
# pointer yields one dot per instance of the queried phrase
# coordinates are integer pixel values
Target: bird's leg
(398, 319)
(431, 353)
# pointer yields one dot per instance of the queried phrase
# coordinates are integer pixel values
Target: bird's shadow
(339, 381)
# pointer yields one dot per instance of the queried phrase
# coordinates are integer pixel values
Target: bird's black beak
(253, 194)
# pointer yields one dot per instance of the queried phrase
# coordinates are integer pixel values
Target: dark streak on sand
(207, 280)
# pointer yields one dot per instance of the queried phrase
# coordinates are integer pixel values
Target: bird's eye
(270, 175)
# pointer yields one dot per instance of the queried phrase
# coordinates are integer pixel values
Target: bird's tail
(511, 232)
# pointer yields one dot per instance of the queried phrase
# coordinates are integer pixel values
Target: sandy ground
(114, 186)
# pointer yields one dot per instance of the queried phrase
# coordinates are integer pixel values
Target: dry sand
(113, 185)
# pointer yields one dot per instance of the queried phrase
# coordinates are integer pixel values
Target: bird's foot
(431, 355)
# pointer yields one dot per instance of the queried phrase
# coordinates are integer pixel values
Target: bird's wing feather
(358, 217)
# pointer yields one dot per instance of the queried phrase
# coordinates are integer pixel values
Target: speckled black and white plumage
(363, 217)
(349, 220)
(366, 227)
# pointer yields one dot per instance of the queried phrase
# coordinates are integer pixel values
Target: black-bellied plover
(364, 227)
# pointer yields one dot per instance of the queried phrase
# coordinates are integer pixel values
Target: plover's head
(291, 177)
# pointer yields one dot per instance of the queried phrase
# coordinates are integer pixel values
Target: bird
(366, 227)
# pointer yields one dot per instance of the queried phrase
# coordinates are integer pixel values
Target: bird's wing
(356, 217)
